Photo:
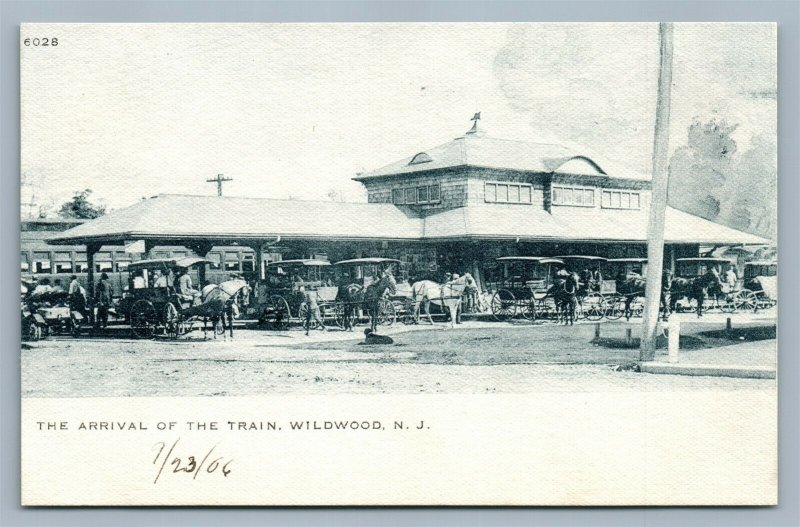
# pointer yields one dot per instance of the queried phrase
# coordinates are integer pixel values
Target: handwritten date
(188, 465)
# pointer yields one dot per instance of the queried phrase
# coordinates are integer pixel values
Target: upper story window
(416, 195)
(573, 196)
(422, 157)
(500, 192)
(617, 199)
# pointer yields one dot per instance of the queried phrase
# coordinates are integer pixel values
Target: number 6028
(40, 42)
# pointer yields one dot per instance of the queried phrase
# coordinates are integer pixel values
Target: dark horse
(369, 297)
(696, 289)
(565, 295)
(633, 286)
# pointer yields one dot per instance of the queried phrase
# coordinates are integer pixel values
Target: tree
(701, 172)
(80, 207)
(709, 177)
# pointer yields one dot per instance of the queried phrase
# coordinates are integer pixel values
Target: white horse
(445, 295)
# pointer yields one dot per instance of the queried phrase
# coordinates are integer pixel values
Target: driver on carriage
(186, 291)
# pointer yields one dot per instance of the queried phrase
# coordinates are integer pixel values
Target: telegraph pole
(658, 200)
(219, 180)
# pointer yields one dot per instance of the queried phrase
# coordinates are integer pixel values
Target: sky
(296, 110)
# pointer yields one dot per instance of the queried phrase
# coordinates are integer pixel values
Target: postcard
(399, 264)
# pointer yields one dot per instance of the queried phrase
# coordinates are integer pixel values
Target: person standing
(103, 299)
(730, 277)
(312, 309)
(77, 295)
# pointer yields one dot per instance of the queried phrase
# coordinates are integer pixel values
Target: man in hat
(103, 299)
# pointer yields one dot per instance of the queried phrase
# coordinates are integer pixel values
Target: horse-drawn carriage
(623, 294)
(365, 289)
(700, 285)
(591, 304)
(286, 281)
(760, 284)
(523, 287)
(154, 305)
(51, 312)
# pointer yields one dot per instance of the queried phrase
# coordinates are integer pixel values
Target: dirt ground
(475, 357)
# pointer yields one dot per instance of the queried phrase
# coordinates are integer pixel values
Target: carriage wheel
(504, 305)
(615, 308)
(728, 304)
(387, 314)
(745, 300)
(339, 311)
(528, 310)
(172, 321)
(405, 313)
(593, 306)
(144, 319)
(278, 314)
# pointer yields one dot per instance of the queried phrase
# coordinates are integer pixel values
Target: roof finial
(475, 119)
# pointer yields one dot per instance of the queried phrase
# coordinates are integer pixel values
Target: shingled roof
(477, 150)
(180, 217)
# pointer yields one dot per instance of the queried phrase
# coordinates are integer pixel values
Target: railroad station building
(455, 207)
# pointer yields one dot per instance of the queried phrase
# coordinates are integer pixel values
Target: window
(496, 192)
(572, 196)
(415, 195)
(613, 199)
(63, 262)
(231, 261)
(24, 264)
(491, 192)
(216, 260)
(422, 157)
(81, 266)
(41, 262)
(248, 262)
(102, 262)
(122, 264)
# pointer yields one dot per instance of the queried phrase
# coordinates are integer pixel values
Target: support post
(628, 336)
(597, 330)
(728, 325)
(673, 343)
(91, 250)
(658, 201)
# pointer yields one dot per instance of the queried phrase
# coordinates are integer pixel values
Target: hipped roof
(478, 150)
(220, 219)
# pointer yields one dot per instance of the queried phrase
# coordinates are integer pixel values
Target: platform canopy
(182, 219)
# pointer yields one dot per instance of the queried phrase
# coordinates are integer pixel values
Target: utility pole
(219, 180)
(658, 200)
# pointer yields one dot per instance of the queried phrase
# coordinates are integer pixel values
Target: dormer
(420, 158)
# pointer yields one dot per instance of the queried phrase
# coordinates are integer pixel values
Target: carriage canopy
(367, 261)
(168, 263)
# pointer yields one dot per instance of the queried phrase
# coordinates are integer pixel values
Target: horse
(350, 296)
(629, 288)
(696, 289)
(565, 295)
(373, 295)
(218, 305)
(445, 295)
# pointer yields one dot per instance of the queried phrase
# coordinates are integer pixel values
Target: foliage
(710, 178)
(80, 207)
